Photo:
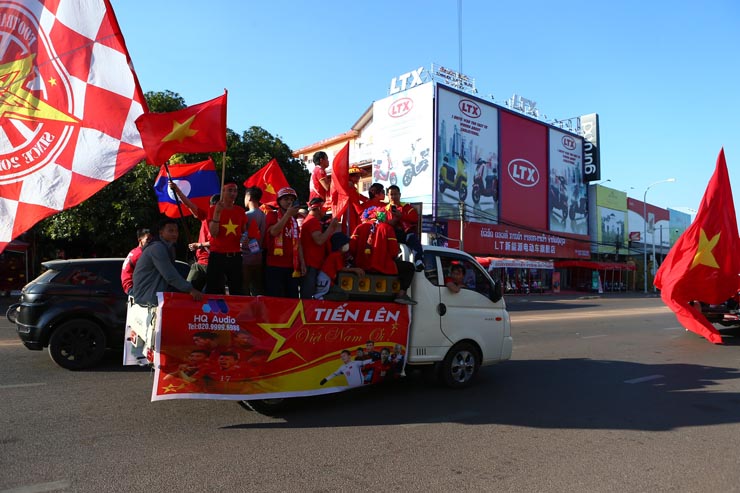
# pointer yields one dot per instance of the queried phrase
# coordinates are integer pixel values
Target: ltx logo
(523, 172)
(400, 107)
(569, 142)
(469, 108)
(216, 306)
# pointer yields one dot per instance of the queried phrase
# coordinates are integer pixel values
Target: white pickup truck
(451, 334)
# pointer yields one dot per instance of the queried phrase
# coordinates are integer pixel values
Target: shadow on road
(564, 393)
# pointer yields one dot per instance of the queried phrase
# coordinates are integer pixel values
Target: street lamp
(644, 220)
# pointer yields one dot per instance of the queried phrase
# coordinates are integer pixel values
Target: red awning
(17, 246)
(591, 264)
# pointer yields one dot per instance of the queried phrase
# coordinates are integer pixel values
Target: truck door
(471, 313)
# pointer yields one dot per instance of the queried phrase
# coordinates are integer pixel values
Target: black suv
(76, 307)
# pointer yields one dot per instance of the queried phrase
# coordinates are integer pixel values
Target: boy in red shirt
(226, 224)
(315, 234)
(455, 282)
(336, 262)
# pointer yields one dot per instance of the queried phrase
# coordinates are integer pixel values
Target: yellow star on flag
(230, 228)
(180, 131)
(704, 254)
(269, 188)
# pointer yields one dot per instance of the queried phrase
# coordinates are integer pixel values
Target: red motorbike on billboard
(385, 174)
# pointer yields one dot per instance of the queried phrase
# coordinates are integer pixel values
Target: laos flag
(198, 181)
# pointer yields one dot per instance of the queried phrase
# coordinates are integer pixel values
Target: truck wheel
(268, 407)
(77, 344)
(460, 365)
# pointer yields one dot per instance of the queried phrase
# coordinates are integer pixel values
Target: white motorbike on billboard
(418, 163)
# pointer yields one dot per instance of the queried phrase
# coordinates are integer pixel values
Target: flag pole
(179, 204)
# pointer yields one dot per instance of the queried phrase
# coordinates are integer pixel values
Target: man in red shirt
(226, 224)
(127, 271)
(315, 232)
(405, 219)
(284, 264)
(320, 181)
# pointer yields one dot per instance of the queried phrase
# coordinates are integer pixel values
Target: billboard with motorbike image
(568, 197)
(467, 165)
(402, 143)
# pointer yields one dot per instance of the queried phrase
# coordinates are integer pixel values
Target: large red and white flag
(704, 264)
(68, 101)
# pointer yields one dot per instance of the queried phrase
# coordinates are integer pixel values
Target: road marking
(18, 386)
(594, 337)
(40, 487)
(10, 343)
(562, 315)
(644, 379)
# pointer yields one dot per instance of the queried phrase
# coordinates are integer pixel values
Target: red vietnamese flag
(197, 128)
(340, 186)
(703, 265)
(269, 179)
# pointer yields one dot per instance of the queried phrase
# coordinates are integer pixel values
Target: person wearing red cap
(284, 264)
(226, 223)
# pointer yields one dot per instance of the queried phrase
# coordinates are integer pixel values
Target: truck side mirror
(497, 292)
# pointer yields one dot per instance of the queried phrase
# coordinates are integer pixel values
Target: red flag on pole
(340, 187)
(704, 263)
(270, 179)
(70, 97)
(197, 128)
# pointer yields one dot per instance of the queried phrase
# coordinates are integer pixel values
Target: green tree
(105, 224)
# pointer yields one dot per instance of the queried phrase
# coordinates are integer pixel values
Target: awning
(591, 264)
(515, 263)
(17, 246)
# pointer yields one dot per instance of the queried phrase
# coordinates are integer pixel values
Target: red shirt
(361, 252)
(280, 256)
(384, 249)
(381, 370)
(232, 224)
(333, 264)
(313, 253)
(317, 189)
(127, 271)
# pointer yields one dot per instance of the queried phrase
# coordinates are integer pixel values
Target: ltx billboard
(519, 175)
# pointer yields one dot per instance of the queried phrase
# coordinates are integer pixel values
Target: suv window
(90, 274)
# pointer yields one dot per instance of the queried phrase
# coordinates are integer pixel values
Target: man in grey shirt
(155, 271)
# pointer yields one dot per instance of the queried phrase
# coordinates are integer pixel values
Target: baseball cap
(286, 191)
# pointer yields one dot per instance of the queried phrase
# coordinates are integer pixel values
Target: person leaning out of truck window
(455, 281)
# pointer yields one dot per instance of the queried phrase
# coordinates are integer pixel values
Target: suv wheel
(460, 365)
(77, 344)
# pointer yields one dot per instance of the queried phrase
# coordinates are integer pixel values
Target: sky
(662, 76)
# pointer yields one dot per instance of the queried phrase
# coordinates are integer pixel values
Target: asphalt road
(605, 394)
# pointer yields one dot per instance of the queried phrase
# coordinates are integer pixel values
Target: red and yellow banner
(239, 347)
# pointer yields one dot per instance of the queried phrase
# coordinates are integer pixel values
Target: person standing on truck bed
(285, 263)
(155, 271)
(226, 223)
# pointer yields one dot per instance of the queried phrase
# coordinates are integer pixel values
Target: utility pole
(462, 224)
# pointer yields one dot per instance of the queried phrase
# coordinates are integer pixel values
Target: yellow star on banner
(173, 388)
(230, 228)
(269, 328)
(180, 131)
(18, 103)
(704, 252)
